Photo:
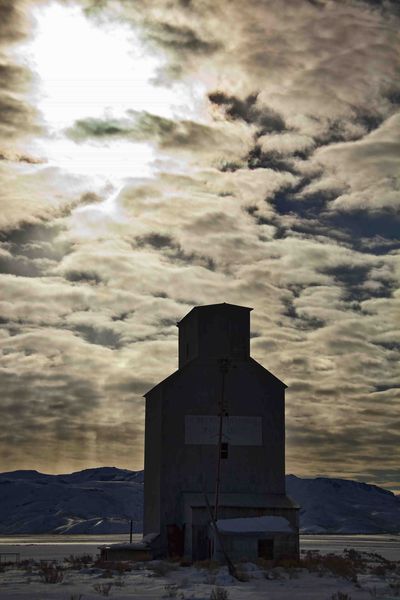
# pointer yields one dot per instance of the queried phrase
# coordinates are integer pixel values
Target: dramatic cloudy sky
(159, 154)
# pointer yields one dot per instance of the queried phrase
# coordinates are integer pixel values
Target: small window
(224, 450)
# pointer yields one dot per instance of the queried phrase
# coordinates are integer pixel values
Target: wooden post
(231, 566)
(130, 532)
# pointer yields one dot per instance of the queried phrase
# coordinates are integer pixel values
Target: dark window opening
(266, 549)
(224, 450)
(187, 350)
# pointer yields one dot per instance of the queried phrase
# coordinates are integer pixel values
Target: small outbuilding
(254, 537)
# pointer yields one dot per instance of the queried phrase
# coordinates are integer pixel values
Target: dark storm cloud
(267, 119)
(13, 76)
(31, 250)
(129, 384)
(173, 250)
(337, 130)
(14, 21)
(63, 407)
(97, 128)
(351, 440)
(368, 170)
(179, 29)
(68, 394)
(23, 158)
(257, 159)
(143, 126)
(156, 240)
(21, 265)
(35, 241)
(286, 200)
(34, 193)
(18, 116)
(100, 336)
(90, 277)
(352, 278)
(181, 39)
(373, 232)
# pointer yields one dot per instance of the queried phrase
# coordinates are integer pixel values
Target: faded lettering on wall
(237, 431)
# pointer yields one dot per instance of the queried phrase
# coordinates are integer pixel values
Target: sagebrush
(51, 573)
(219, 593)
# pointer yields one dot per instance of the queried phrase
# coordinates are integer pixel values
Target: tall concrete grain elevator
(215, 447)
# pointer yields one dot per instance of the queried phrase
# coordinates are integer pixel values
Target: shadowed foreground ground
(349, 576)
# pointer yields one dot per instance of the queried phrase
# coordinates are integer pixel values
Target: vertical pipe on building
(224, 366)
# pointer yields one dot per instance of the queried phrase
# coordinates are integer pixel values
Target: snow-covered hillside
(103, 501)
(92, 501)
(344, 506)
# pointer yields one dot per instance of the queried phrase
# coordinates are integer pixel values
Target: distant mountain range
(344, 506)
(94, 501)
(104, 500)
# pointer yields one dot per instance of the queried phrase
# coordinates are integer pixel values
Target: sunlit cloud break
(89, 69)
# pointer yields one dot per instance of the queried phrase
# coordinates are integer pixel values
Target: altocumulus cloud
(278, 190)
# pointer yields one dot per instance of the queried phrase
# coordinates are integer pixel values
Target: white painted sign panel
(237, 431)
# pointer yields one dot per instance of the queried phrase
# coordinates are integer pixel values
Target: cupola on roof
(215, 331)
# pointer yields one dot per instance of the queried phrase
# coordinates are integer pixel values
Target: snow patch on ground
(154, 580)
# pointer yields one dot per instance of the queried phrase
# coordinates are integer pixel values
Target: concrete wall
(244, 546)
(152, 463)
(237, 547)
(188, 347)
(173, 467)
(286, 545)
(198, 517)
(257, 469)
(214, 331)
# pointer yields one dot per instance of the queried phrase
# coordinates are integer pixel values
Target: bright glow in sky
(86, 69)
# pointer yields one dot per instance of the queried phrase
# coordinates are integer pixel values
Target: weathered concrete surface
(177, 473)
